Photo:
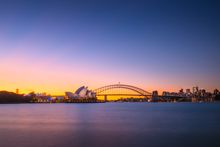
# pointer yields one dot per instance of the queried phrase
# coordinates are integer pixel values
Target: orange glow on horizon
(28, 74)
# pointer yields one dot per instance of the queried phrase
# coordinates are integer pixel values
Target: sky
(56, 46)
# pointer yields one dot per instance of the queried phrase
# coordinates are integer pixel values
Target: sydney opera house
(82, 92)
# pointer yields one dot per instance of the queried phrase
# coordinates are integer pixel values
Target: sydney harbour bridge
(121, 90)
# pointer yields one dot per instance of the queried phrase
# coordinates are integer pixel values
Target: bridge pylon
(105, 98)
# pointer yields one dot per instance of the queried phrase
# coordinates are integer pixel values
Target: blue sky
(155, 44)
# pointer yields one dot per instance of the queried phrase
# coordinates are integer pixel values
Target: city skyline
(54, 46)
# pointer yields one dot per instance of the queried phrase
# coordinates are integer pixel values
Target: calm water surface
(110, 125)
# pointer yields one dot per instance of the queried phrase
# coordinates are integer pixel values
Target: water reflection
(112, 124)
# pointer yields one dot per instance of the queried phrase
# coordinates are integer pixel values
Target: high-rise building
(155, 94)
(181, 91)
(188, 91)
(195, 89)
(216, 92)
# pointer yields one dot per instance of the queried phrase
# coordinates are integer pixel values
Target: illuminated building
(81, 92)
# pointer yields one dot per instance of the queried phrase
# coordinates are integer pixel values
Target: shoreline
(102, 102)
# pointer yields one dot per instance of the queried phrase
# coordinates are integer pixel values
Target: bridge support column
(105, 98)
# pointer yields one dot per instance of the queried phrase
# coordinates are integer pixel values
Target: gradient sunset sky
(56, 46)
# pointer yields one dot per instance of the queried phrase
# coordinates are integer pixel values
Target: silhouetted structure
(11, 97)
(108, 91)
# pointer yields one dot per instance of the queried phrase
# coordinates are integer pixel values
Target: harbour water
(110, 125)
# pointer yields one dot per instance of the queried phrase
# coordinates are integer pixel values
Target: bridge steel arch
(140, 91)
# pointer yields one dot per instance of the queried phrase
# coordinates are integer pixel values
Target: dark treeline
(11, 97)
